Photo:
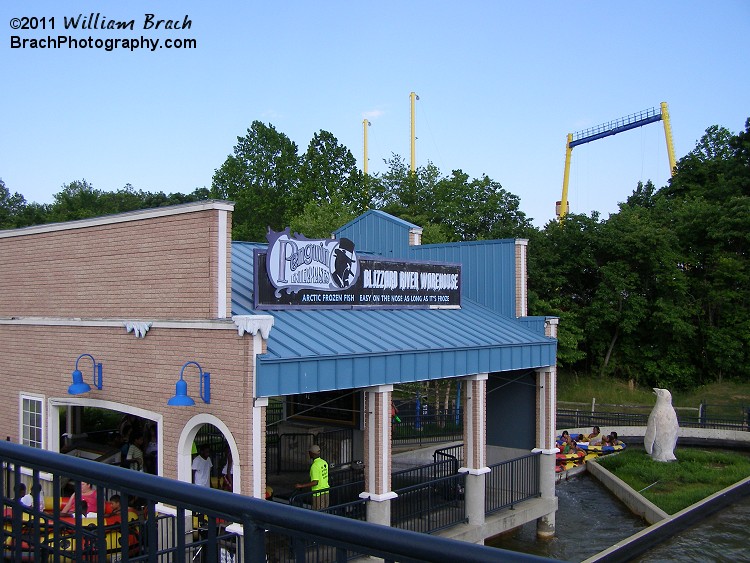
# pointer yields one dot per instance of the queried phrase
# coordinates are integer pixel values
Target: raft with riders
(576, 449)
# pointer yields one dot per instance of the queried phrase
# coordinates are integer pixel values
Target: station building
(156, 307)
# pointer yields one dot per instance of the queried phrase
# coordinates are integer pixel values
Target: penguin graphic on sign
(343, 274)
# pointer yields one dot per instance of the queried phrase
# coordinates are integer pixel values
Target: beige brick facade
(69, 289)
(163, 267)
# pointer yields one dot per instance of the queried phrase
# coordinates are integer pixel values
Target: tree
(452, 208)
(261, 177)
(319, 220)
(79, 200)
(708, 205)
(639, 321)
(563, 278)
(11, 207)
(478, 209)
(329, 175)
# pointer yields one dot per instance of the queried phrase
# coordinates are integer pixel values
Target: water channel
(720, 537)
(589, 519)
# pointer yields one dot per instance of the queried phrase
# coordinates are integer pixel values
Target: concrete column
(378, 454)
(475, 445)
(546, 403)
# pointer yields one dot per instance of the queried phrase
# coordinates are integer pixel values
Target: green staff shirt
(319, 473)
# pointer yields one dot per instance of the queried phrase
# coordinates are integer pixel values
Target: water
(589, 520)
(720, 537)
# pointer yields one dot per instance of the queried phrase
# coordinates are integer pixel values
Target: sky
(500, 86)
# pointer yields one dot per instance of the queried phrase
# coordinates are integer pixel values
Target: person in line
(227, 474)
(151, 453)
(21, 493)
(116, 507)
(202, 466)
(318, 479)
(28, 499)
(134, 458)
(88, 495)
(394, 413)
(84, 509)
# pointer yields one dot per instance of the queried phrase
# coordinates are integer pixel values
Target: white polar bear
(661, 431)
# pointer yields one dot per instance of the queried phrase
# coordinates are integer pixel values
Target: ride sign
(299, 272)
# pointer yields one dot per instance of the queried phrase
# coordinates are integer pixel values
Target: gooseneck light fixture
(79, 386)
(181, 398)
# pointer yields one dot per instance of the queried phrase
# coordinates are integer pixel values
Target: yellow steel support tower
(612, 128)
(668, 135)
(413, 97)
(365, 125)
(562, 205)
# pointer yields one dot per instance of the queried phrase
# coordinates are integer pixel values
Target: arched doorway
(209, 430)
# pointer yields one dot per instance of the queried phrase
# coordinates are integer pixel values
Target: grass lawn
(696, 474)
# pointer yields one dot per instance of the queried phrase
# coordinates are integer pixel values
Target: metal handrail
(256, 517)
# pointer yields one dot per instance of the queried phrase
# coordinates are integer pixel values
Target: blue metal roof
(488, 269)
(322, 350)
(488, 266)
(378, 232)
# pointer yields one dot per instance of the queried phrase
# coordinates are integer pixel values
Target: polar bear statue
(661, 431)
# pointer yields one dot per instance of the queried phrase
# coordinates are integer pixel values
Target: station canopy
(314, 350)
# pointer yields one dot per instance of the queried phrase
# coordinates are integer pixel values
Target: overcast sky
(500, 86)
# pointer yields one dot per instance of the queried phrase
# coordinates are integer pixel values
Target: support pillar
(253, 482)
(475, 446)
(259, 449)
(378, 454)
(546, 387)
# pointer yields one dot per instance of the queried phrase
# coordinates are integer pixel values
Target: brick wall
(139, 372)
(157, 267)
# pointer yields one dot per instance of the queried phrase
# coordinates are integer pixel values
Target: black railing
(574, 418)
(337, 445)
(230, 526)
(424, 473)
(450, 452)
(429, 428)
(431, 506)
(288, 452)
(343, 500)
(511, 482)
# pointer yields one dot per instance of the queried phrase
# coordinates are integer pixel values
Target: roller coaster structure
(613, 128)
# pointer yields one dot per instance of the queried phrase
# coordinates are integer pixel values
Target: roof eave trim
(137, 215)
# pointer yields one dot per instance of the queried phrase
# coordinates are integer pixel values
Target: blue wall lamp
(79, 386)
(181, 398)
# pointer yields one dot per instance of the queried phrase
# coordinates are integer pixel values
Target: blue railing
(612, 127)
(230, 526)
